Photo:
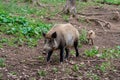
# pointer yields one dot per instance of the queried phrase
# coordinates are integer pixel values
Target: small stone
(98, 55)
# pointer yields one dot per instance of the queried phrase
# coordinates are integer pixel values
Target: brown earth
(27, 62)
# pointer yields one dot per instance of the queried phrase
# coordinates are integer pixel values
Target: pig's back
(65, 32)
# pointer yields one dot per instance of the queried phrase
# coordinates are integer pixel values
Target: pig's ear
(43, 34)
(54, 35)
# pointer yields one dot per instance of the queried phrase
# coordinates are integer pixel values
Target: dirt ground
(26, 63)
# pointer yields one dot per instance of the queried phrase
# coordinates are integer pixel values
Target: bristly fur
(64, 36)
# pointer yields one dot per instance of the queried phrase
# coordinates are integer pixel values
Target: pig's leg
(61, 54)
(49, 55)
(76, 48)
(67, 53)
(92, 41)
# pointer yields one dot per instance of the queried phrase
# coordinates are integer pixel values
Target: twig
(95, 60)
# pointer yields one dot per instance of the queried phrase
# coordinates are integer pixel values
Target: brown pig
(62, 37)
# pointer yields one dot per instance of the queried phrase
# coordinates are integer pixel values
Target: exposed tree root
(104, 24)
(94, 14)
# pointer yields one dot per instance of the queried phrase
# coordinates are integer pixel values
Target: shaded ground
(23, 63)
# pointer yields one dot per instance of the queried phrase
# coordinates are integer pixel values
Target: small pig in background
(62, 37)
(90, 36)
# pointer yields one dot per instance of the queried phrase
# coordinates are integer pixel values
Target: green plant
(82, 20)
(42, 73)
(104, 66)
(55, 70)
(41, 58)
(1, 45)
(3, 40)
(1, 75)
(24, 30)
(79, 45)
(68, 70)
(66, 18)
(72, 52)
(110, 1)
(111, 53)
(91, 52)
(13, 73)
(83, 36)
(33, 78)
(93, 76)
(75, 67)
(2, 62)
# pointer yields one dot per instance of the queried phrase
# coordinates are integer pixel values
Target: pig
(90, 36)
(61, 37)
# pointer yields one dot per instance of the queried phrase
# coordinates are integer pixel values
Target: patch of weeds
(72, 52)
(18, 41)
(68, 70)
(41, 58)
(22, 29)
(6, 41)
(66, 18)
(11, 42)
(75, 67)
(32, 42)
(111, 53)
(79, 45)
(91, 52)
(2, 62)
(42, 12)
(82, 5)
(117, 2)
(3, 40)
(1, 46)
(118, 47)
(13, 73)
(42, 73)
(93, 76)
(82, 20)
(104, 66)
(55, 70)
(33, 78)
(83, 36)
(1, 75)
